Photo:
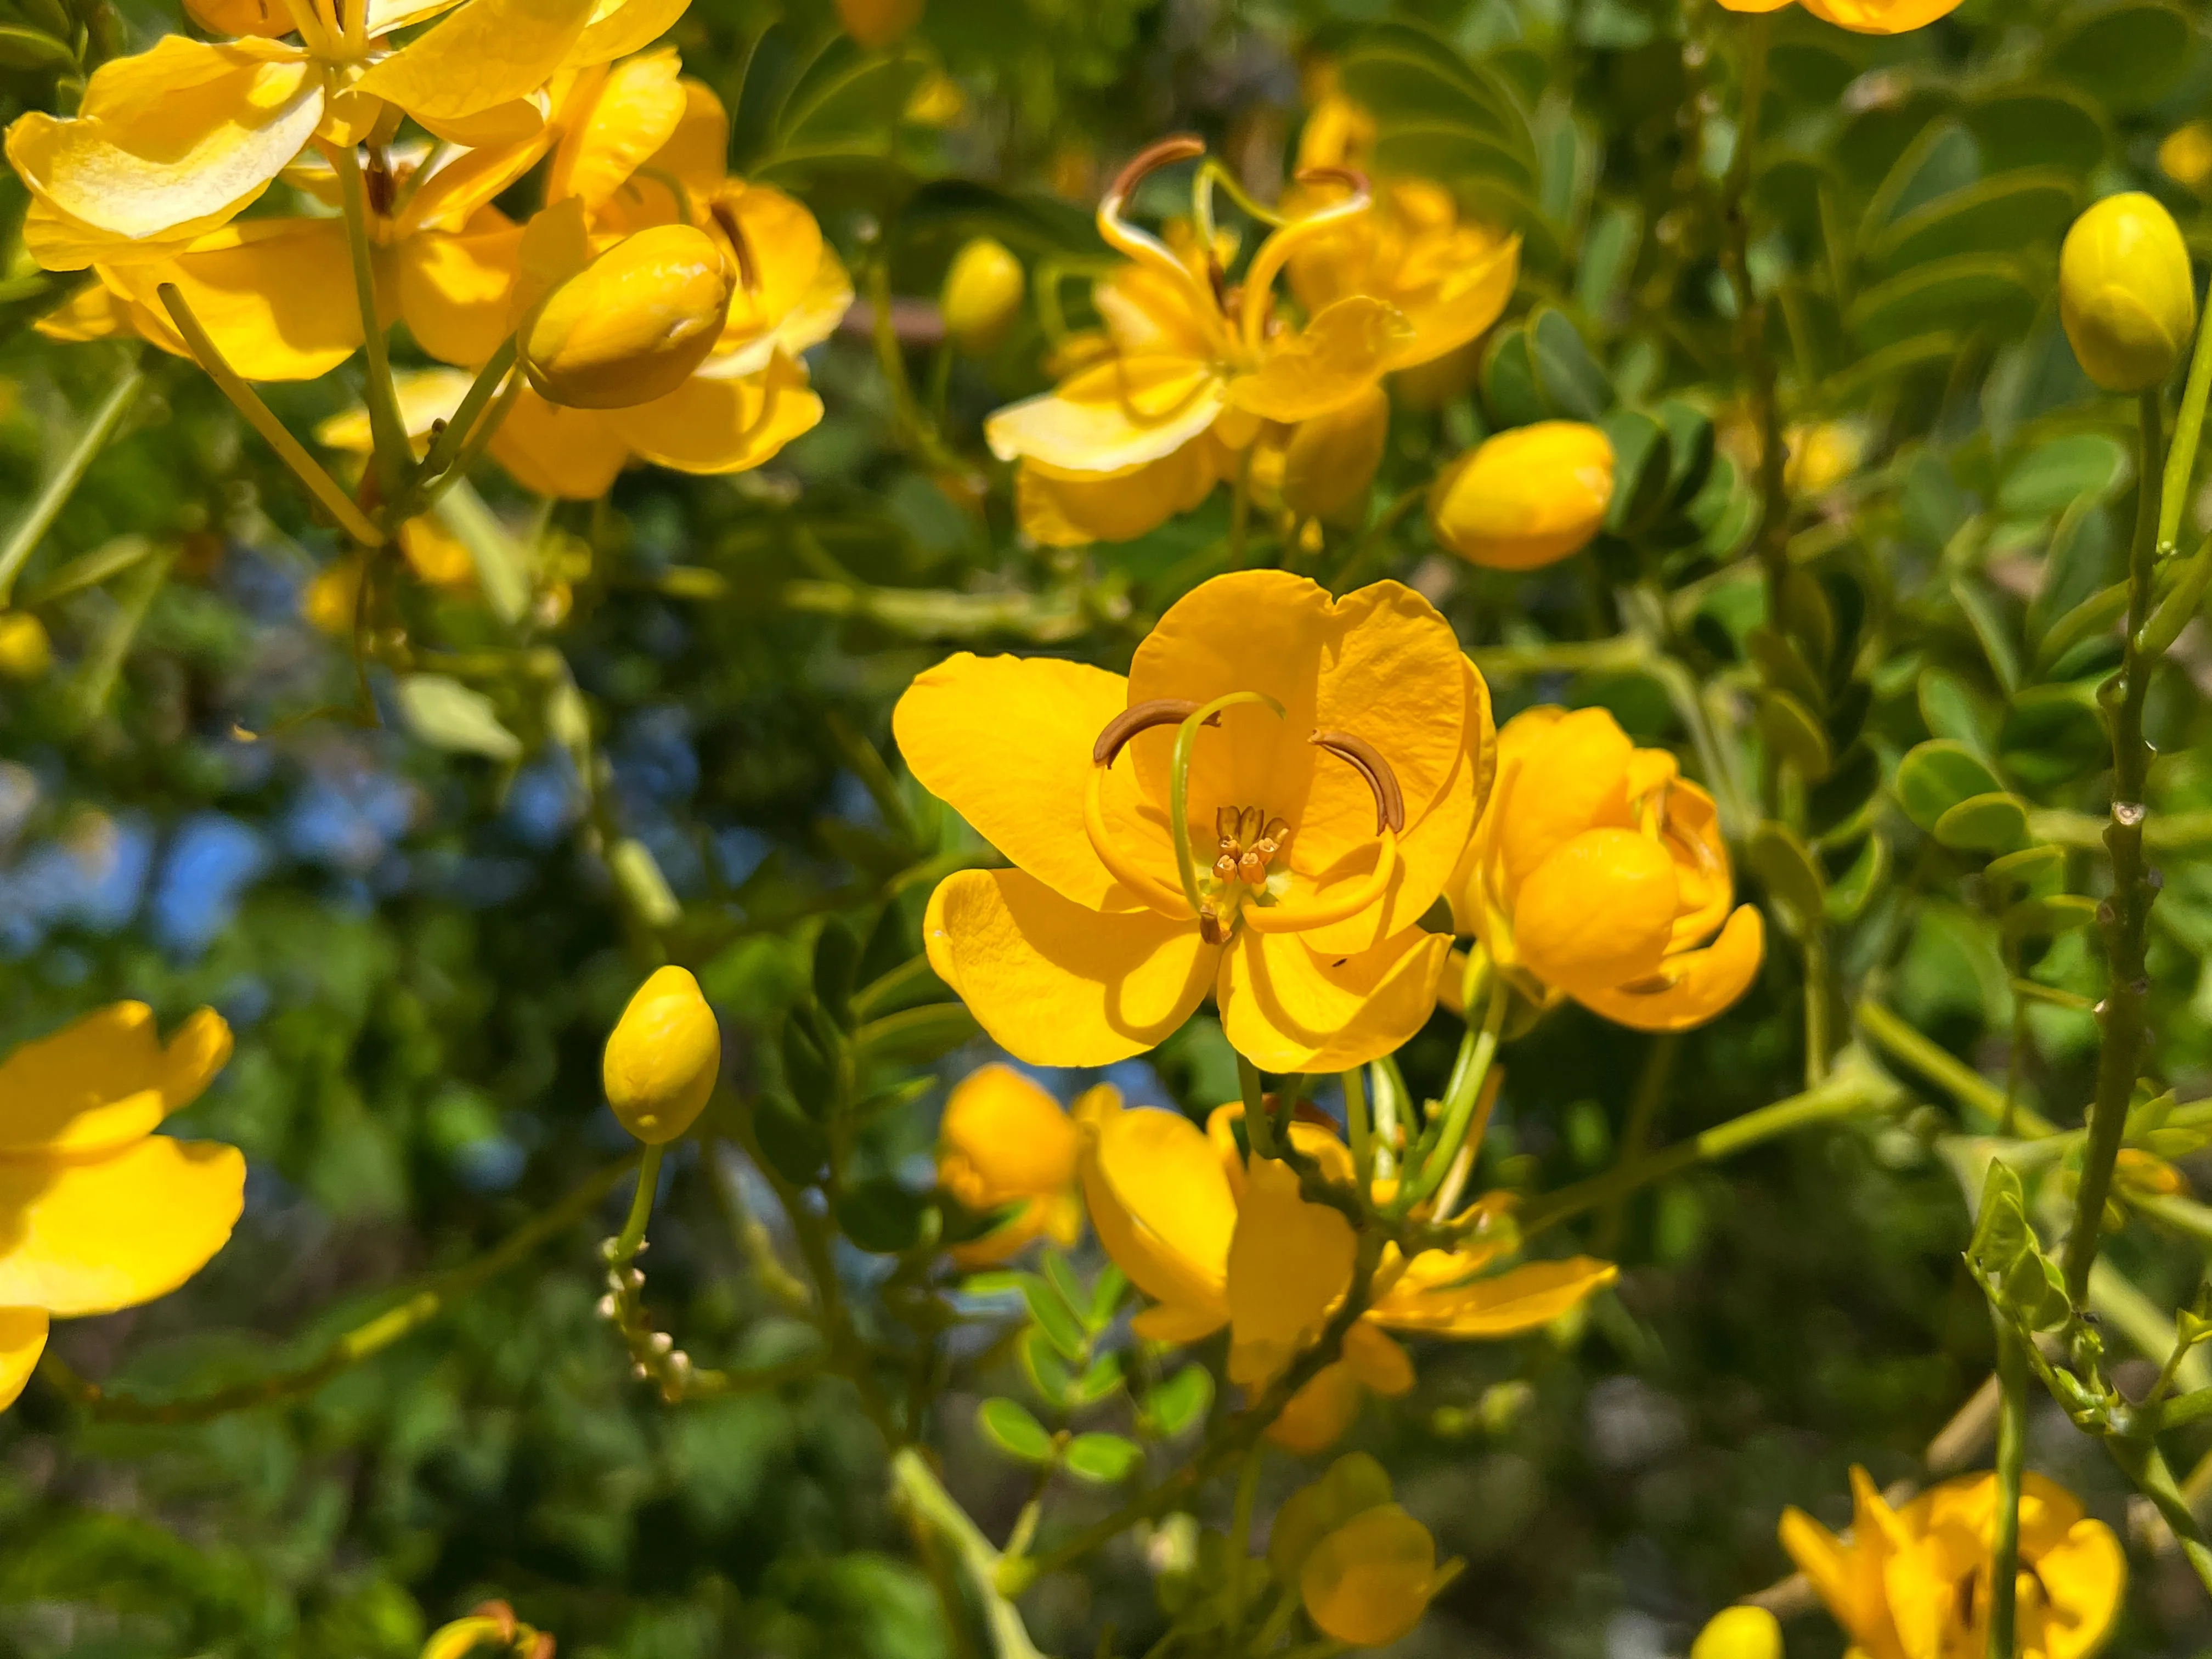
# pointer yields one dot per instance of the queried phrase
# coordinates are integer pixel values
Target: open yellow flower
(1005, 1145)
(98, 1213)
(1285, 868)
(1362, 1568)
(1124, 444)
(1862, 16)
(1216, 1240)
(1914, 1582)
(1599, 872)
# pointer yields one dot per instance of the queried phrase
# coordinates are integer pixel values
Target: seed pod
(981, 295)
(2126, 294)
(631, 325)
(663, 1058)
(1527, 498)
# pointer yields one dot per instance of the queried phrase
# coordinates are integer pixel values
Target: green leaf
(1051, 1375)
(2049, 917)
(1103, 1460)
(1841, 807)
(1106, 1293)
(836, 955)
(1509, 381)
(2053, 476)
(2094, 615)
(1794, 734)
(1097, 1383)
(1640, 471)
(1849, 893)
(2033, 126)
(1955, 710)
(1007, 1424)
(1934, 777)
(1996, 216)
(448, 715)
(1055, 1319)
(1994, 822)
(1568, 379)
(1783, 665)
(2003, 1250)
(1060, 1276)
(1977, 293)
(27, 49)
(1786, 868)
(880, 1216)
(2127, 56)
(1181, 1403)
(789, 1140)
(2052, 735)
(2021, 870)
(917, 1035)
(809, 1072)
(1689, 449)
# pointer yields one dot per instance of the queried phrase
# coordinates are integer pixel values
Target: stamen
(1366, 759)
(1143, 246)
(748, 272)
(1142, 717)
(1275, 252)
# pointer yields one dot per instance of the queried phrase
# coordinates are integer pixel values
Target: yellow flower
(663, 1057)
(2126, 294)
(1914, 1584)
(1004, 1142)
(1316, 832)
(1862, 16)
(1525, 498)
(631, 325)
(1363, 1567)
(1739, 1632)
(25, 652)
(1218, 1241)
(2185, 157)
(875, 24)
(491, 1629)
(1121, 446)
(101, 1212)
(1822, 454)
(1598, 871)
(981, 295)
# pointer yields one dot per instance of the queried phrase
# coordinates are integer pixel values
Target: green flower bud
(663, 1058)
(981, 295)
(2126, 294)
(631, 325)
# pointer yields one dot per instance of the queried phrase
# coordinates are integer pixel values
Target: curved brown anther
(1141, 717)
(1366, 759)
(1351, 178)
(726, 220)
(1182, 147)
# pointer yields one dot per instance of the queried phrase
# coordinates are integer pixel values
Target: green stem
(641, 1208)
(1636, 1135)
(1356, 1125)
(1179, 786)
(1769, 543)
(2143, 1463)
(2012, 1453)
(1457, 1111)
(62, 482)
(387, 427)
(446, 448)
(1240, 1535)
(1815, 947)
(1375, 538)
(2187, 429)
(917, 1485)
(1964, 1085)
(1259, 1126)
(1240, 510)
(434, 1296)
(2125, 916)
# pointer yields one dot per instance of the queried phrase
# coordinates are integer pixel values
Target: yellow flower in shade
(1197, 366)
(1363, 1569)
(1862, 16)
(2185, 155)
(1739, 1632)
(1219, 1241)
(1005, 1144)
(1914, 1582)
(491, 1632)
(663, 1057)
(1525, 498)
(25, 652)
(2126, 294)
(981, 295)
(97, 1212)
(875, 24)
(1599, 872)
(1318, 822)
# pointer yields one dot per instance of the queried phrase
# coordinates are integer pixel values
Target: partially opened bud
(631, 325)
(2126, 294)
(663, 1058)
(981, 295)
(1740, 1633)
(1332, 457)
(26, 653)
(1527, 498)
(1368, 1582)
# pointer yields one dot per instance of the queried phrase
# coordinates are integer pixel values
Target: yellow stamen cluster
(1249, 843)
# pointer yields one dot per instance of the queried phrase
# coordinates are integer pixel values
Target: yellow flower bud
(876, 24)
(1368, 1582)
(981, 295)
(631, 325)
(1525, 498)
(2126, 294)
(1740, 1633)
(2185, 157)
(1332, 457)
(663, 1058)
(26, 653)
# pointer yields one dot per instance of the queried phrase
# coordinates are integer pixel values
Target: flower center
(1249, 841)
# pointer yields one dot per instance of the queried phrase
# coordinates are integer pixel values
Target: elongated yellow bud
(633, 325)
(2126, 294)
(1740, 1633)
(1526, 497)
(981, 295)
(663, 1058)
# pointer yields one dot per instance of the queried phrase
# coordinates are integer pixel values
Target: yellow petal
(1331, 361)
(778, 249)
(1112, 418)
(1062, 510)
(456, 194)
(712, 425)
(1056, 983)
(276, 296)
(1598, 913)
(1379, 1362)
(1367, 1583)
(1476, 273)
(1288, 1261)
(629, 113)
(1286, 1009)
(1690, 988)
(1318, 1414)
(1332, 457)
(22, 1339)
(1876, 17)
(105, 1080)
(1163, 1210)
(1564, 773)
(571, 454)
(487, 52)
(269, 17)
(1523, 1298)
(619, 27)
(1753, 5)
(504, 126)
(425, 396)
(2083, 1576)
(94, 312)
(91, 1237)
(454, 290)
(1005, 742)
(1003, 1138)
(178, 138)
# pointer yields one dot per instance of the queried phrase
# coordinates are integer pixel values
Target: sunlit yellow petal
(1522, 1298)
(105, 1080)
(712, 425)
(425, 396)
(91, 1237)
(1004, 1138)
(1378, 1361)
(1598, 913)
(94, 312)
(571, 454)
(2083, 1578)
(487, 52)
(630, 112)
(454, 290)
(276, 296)
(504, 126)
(1113, 418)
(1286, 1009)
(1566, 773)
(1067, 510)
(1163, 1211)
(22, 1339)
(1328, 363)
(1288, 1261)
(1875, 16)
(1059, 984)
(1692, 987)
